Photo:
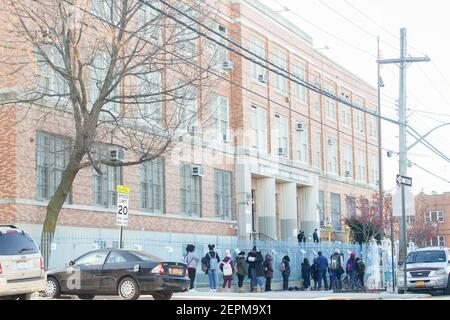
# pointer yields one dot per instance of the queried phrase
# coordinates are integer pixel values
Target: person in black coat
(285, 272)
(315, 273)
(256, 270)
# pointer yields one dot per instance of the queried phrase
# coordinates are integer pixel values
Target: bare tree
(121, 72)
(421, 230)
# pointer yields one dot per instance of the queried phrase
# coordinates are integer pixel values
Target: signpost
(405, 181)
(123, 197)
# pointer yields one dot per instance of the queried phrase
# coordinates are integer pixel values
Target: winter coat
(350, 266)
(306, 271)
(315, 271)
(226, 260)
(287, 268)
(192, 260)
(257, 264)
(360, 267)
(241, 266)
(322, 263)
(209, 255)
(268, 268)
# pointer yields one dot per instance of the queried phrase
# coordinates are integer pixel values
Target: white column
(288, 211)
(309, 213)
(265, 206)
(243, 200)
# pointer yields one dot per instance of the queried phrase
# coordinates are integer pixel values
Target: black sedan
(126, 273)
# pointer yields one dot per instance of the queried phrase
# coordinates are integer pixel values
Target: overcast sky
(428, 84)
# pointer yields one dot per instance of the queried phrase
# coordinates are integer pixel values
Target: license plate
(176, 272)
(23, 266)
(420, 284)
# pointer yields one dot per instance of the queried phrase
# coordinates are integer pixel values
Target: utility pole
(403, 63)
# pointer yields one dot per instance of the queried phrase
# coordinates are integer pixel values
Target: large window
(322, 208)
(346, 115)
(351, 206)
(280, 60)
(299, 71)
(336, 211)
(150, 99)
(187, 107)
(332, 158)
(222, 192)
(50, 81)
(105, 184)
(435, 216)
(348, 160)
(361, 166)
(373, 127)
(186, 39)
(219, 53)
(152, 185)
(108, 10)
(374, 173)
(330, 103)
(360, 121)
(257, 47)
(318, 146)
(52, 159)
(220, 118)
(302, 144)
(259, 128)
(149, 23)
(190, 191)
(282, 135)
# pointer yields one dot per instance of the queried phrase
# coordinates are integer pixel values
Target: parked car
(127, 273)
(21, 264)
(427, 269)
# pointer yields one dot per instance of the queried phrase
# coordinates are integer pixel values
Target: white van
(21, 264)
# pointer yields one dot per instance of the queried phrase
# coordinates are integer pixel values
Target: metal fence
(65, 247)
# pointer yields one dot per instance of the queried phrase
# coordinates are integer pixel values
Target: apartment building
(277, 157)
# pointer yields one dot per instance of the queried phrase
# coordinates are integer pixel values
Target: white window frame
(348, 159)
(318, 153)
(300, 91)
(219, 53)
(257, 47)
(150, 108)
(362, 167)
(153, 32)
(223, 194)
(220, 118)
(282, 134)
(151, 177)
(259, 128)
(332, 157)
(302, 149)
(374, 169)
(190, 191)
(280, 59)
(187, 106)
(360, 121)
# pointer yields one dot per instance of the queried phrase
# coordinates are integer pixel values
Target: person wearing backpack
(285, 272)
(212, 261)
(336, 268)
(256, 270)
(268, 272)
(306, 274)
(360, 269)
(351, 270)
(322, 266)
(228, 269)
(191, 259)
(242, 270)
(315, 273)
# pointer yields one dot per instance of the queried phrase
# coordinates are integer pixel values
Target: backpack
(335, 261)
(361, 267)
(213, 264)
(204, 264)
(349, 265)
(282, 267)
(227, 268)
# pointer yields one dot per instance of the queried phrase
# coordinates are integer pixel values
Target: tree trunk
(56, 203)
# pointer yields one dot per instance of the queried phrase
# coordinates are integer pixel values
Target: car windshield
(428, 257)
(146, 256)
(13, 242)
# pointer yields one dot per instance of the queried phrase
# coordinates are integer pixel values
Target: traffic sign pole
(120, 237)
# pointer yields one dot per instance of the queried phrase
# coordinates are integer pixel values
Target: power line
(429, 172)
(427, 144)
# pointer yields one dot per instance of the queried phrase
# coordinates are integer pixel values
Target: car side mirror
(71, 263)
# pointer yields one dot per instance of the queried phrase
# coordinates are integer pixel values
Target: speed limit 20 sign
(123, 196)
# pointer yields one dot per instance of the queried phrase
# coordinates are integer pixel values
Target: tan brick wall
(439, 202)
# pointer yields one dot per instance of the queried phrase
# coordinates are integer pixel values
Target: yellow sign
(123, 189)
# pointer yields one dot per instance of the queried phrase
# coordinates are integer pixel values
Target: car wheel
(128, 289)
(162, 295)
(25, 296)
(86, 296)
(447, 290)
(52, 290)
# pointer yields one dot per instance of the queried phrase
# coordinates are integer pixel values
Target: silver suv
(427, 269)
(21, 264)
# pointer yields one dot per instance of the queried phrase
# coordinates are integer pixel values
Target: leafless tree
(120, 71)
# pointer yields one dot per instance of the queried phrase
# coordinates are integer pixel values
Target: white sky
(428, 84)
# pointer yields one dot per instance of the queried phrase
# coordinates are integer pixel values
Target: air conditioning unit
(262, 78)
(116, 154)
(300, 127)
(348, 174)
(282, 152)
(331, 142)
(198, 171)
(227, 65)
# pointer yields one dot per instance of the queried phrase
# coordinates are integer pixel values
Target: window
(282, 135)
(361, 165)
(152, 185)
(219, 53)
(190, 191)
(52, 159)
(108, 10)
(410, 220)
(299, 72)
(222, 187)
(92, 259)
(12, 244)
(318, 145)
(220, 118)
(99, 71)
(315, 97)
(434, 216)
(351, 206)
(257, 47)
(150, 99)
(302, 144)
(336, 211)
(187, 106)
(322, 208)
(373, 127)
(440, 241)
(374, 175)
(149, 23)
(330, 103)
(259, 131)
(280, 60)
(104, 185)
(186, 39)
(348, 160)
(332, 160)
(115, 257)
(360, 121)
